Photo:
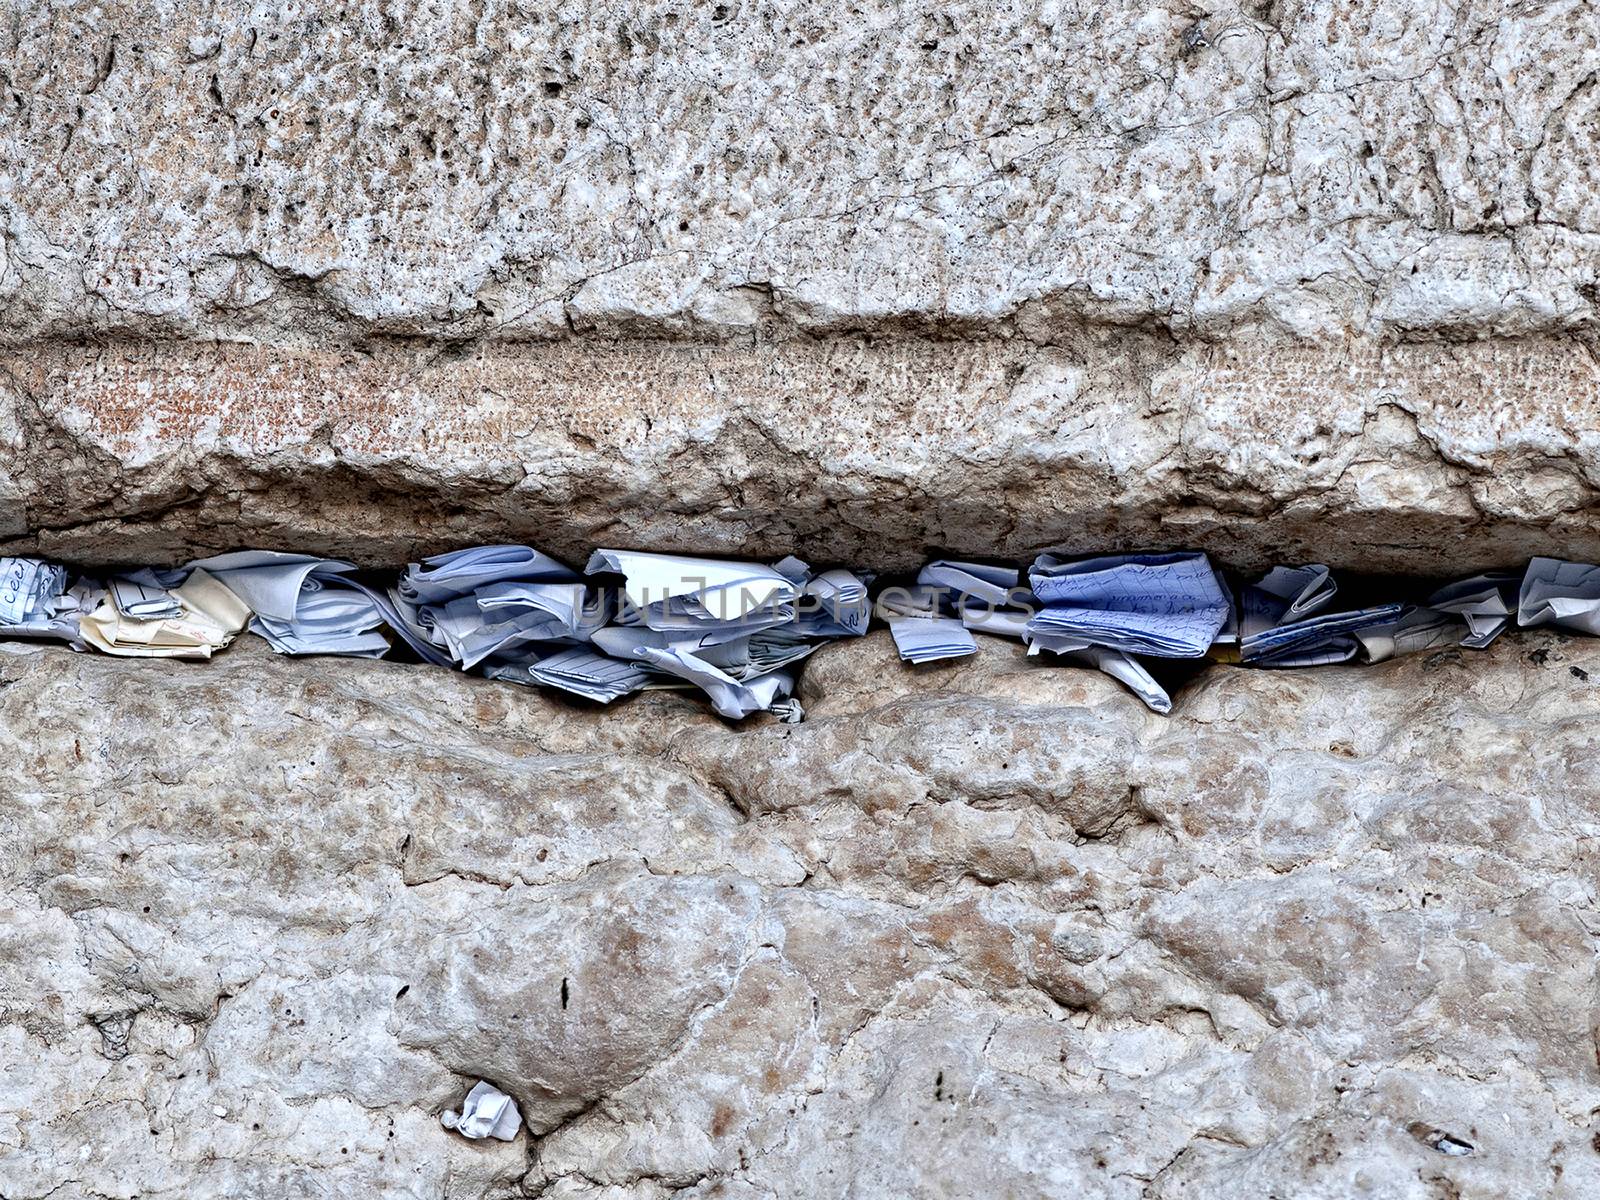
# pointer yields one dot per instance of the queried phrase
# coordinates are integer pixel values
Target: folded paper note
(711, 598)
(489, 605)
(27, 585)
(1485, 602)
(486, 1112)
(586, 673)
(1414, 630)
(1281, 622)
(928, 639)
(460, 572)
(35, 602)
(1560, 593)
(146, 594)
(210, 615)
(1167, 605)
(302, 604)
(986, 598)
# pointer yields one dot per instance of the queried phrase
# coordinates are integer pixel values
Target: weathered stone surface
(990, 929)
(1282, 281)
(1415, 459)
(856, 281)
(1372, 167)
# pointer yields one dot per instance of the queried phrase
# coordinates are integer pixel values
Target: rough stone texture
(1279, 280)
(1359, 166)
(1416, 459)
(984, 930)
(857, 281)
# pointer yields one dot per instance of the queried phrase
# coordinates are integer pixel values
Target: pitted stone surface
(1368, 167)
(987, 929)
(1281, 281)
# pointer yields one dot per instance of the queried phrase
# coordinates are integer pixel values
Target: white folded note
(832, 604)
(928, 639)
(145, 594)
(986, 598)
(586, 673)
(1282, 622)
(486, 1112)
(270, 581)
(671, 592)
(1167, 605)
(485, 606)
(458, 572)
(302, 604)
(731, 695)
(1555, 592)
(1416, 629)
(1485, 602)
(337, 620)
(965, 581)
(27, 585)
(500, 616)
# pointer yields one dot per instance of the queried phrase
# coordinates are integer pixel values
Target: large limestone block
(985, 929)
(323, 170)
(857, 281)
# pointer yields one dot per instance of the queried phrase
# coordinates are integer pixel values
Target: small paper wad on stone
(486, 1112)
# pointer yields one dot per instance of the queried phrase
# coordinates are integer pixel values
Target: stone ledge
(1416, 459)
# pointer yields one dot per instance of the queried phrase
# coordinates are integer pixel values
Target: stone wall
(1281, 281)
(1377, 168)
(382, 277)
(994, 930)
